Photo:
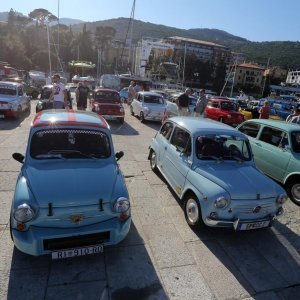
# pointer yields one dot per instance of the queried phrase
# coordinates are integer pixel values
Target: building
(293, 78)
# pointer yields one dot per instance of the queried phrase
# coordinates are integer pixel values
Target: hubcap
(153, 160)
(192, 211)
(296, 192)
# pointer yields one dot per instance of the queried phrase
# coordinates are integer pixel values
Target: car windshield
(46, 92)
(296, 141)
(8, 90)
(107, 97)
(222, 147)
(154, 99)
(69, 143)
(228, 106)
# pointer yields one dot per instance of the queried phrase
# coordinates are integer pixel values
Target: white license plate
(77, 252)
(253, 225)
(2, 116)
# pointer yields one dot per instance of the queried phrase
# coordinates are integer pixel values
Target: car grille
(77, 241)
(248, 209)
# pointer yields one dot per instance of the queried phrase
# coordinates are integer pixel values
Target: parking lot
(162, 257)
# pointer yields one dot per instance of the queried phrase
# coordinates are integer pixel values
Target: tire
(221, 119)
(153, 160)
(192, 211)
(142, 118)
(131, 111)
(293, 190)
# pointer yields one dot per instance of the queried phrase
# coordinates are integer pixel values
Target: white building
(293, 77)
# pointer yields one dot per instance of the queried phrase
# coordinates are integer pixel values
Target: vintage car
(70, 197)
(13, 100)
(44, 103)
(107, 102)
(124, 94)
(210, 167)
(148, 106)
(276, 150)
(223, 110)
(172, 108)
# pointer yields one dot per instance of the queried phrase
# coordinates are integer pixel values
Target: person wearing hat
(183, 103)
(201, 104)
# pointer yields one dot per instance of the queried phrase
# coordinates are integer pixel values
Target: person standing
(131, 92)
(183, 103)
(295, 113)
(201, 104)
(82, 93)
(264, 112)
(58, 94)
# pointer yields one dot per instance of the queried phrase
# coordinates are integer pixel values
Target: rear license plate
(77, 252)
(252, 225)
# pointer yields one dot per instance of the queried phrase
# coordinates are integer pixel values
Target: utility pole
(130, 54)
(183, 70)
(49, 51)
(58, 59)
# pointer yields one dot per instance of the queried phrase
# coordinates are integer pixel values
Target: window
(182, 140)
(166, 130)
(250, 129)
(69, 143)
(153, 99)
(271, 136)
(105, 97)
(295, 137)
(215, 104)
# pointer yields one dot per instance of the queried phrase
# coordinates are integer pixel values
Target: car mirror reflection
(119, 155)
(18, 157)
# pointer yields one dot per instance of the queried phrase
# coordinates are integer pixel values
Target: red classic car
(107, 102)
(223, 110)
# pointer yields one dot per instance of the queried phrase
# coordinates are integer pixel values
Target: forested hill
(285, 54)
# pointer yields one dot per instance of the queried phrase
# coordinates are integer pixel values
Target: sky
(255, 20)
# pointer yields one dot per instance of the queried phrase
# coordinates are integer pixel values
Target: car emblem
(76, 219)
(256, 209)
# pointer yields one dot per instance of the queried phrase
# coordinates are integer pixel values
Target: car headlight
(221, 202)
(122, 205)
(282, 198)
(121, 109)
(228, 116)
(24, 213)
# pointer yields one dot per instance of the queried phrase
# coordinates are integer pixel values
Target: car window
(295, 137)
(7, 90)
(215, 104)
(153, 99)
(139, 97)
(166, 130)
(20, 91)
(69, 143)
(250, 129)
(105, 97)
(46, 92)
(271, 136)
(181, 139)
(228, 106)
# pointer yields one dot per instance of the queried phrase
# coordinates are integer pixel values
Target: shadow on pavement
(124, 271)
(10, 123)
(122, 129)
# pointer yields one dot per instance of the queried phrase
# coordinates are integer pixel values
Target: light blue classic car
(210, 167)
(70, 198)
(276, 149)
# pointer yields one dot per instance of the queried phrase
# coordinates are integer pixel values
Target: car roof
(221, 99)
(287, 126)
(105, 90)
(69, 117)
(194, 125)
(150, 93)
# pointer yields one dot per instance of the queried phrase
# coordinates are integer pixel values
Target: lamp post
(49, 50)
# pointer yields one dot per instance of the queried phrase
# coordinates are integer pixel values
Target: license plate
(2, 116)
(77, 252)
(252, 225)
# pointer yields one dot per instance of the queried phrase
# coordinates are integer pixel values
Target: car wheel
(192, 211)
(142, 118)
(153, 161)
(131, 111)
(221, 119)
(293, 190)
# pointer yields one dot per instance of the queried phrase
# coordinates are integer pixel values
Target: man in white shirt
(59, 93)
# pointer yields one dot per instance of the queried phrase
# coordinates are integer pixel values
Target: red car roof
(69, 117)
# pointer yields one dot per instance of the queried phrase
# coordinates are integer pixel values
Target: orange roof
(250, 66)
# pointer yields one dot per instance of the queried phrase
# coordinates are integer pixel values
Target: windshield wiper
(62, 152)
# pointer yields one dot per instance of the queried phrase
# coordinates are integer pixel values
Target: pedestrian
(137, 88)
(293, 114)
(82, 93)
(296, 117)
(58, 94)
(131, 92)
(183, 103)
(264, 112)
(201, 104)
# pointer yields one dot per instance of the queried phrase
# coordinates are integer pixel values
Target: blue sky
(255, 20)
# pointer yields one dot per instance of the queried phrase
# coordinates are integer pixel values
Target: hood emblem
(256, 209)
(76, 219)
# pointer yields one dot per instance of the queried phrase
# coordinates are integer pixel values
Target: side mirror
(119, 154)
(18, 157)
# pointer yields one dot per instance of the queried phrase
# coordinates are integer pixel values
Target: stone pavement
(162, 257)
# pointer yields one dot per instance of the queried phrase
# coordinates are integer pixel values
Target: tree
(220, 76)
(42, 16)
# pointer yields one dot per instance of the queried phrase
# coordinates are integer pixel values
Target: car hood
(6, 98)
(241, 181)
(65, 185)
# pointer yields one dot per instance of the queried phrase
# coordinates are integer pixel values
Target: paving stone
(222, 276)
(139, 188)
(132, 275)
(153, 178)
(167, 247)
(6, 152)
(8, 181)
(10, 165)
(5, 205)
(145, 202)
(185, 282)
(165, 195)
(152, 216)
(95, 290)
(128, 168)
(144, 165)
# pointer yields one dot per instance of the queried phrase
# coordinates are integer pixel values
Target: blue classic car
(210, 167)
(70, 197)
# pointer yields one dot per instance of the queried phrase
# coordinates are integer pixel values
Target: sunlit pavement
(162, 258)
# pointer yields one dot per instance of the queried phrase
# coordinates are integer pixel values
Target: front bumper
(7, 113)
(33, 240)
(153, 117)
(113, 117)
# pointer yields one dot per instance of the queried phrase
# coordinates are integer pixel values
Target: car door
(211, 109)
(21, 98)
(272, 152)
(135, 104)
(176, 161)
